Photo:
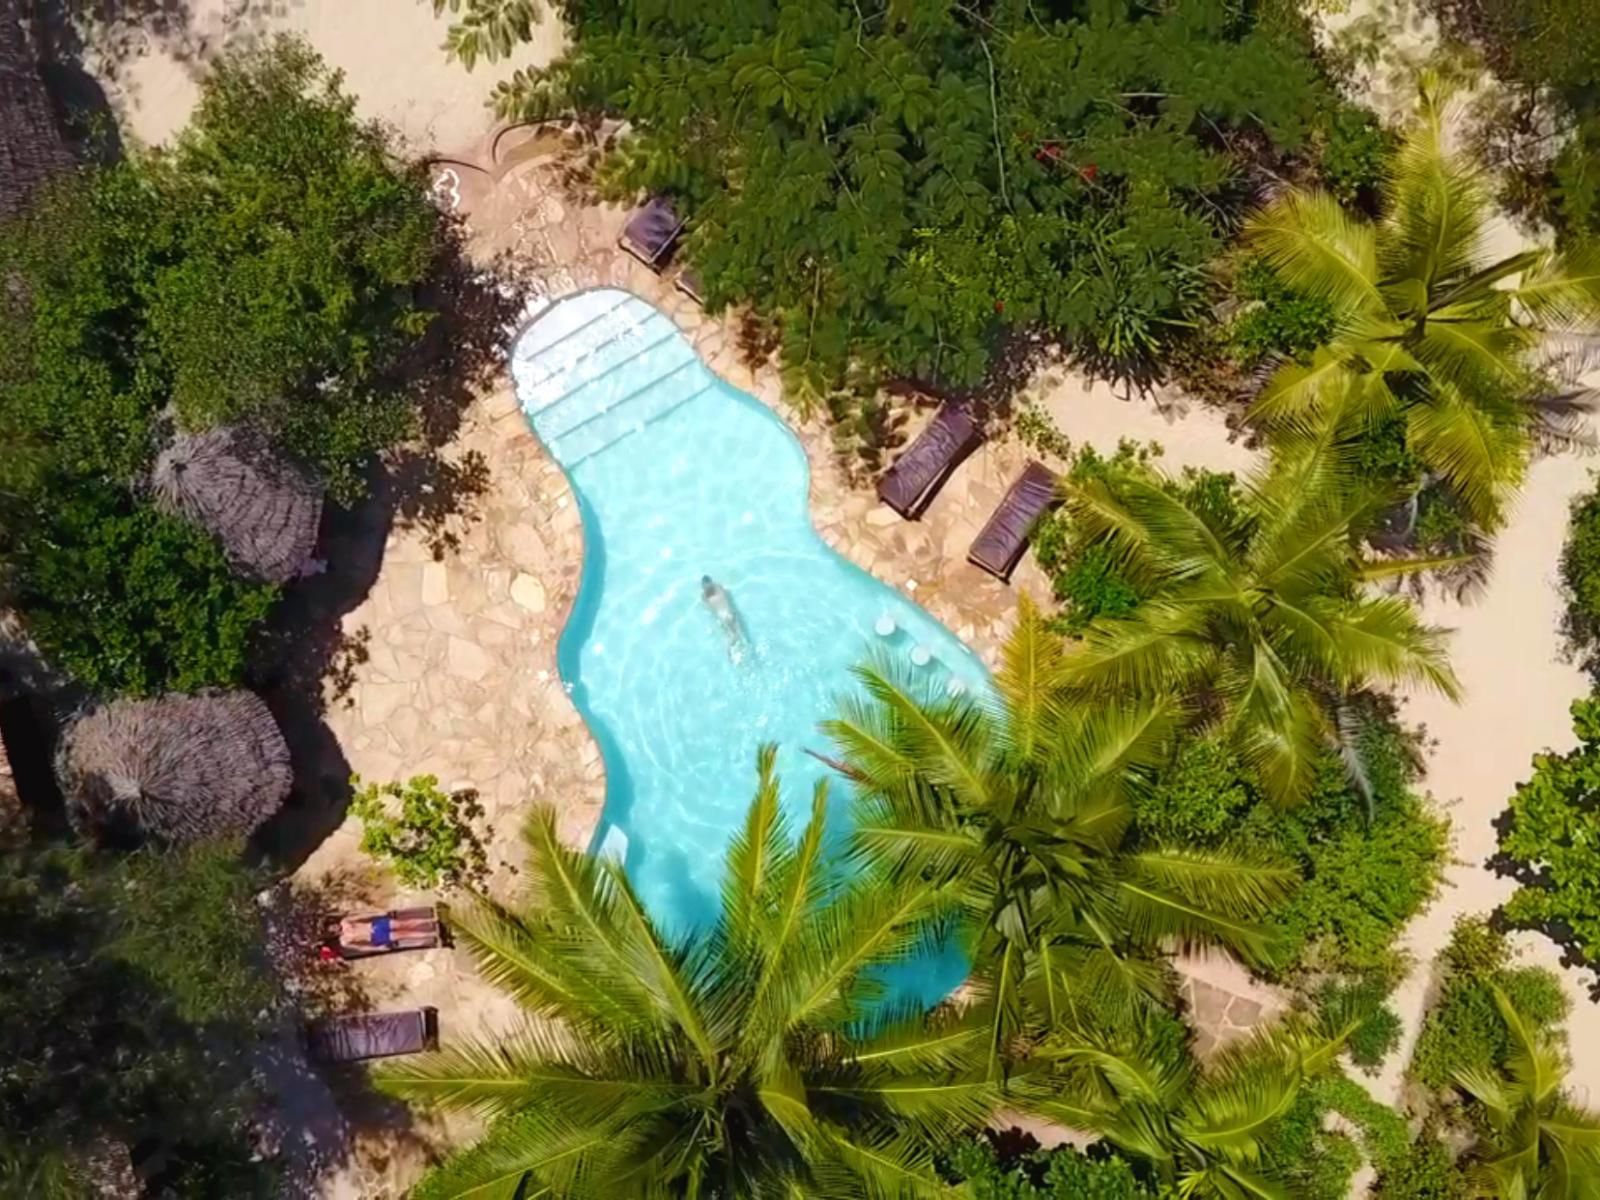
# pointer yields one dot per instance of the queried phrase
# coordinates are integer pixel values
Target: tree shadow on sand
(307, 660)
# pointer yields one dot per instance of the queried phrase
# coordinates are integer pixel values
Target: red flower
(999, 306)
(1087, 172)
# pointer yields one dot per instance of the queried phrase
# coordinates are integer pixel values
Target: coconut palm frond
(1563, 291)
(1030, 679)
(1479, 454)
(1319, 248)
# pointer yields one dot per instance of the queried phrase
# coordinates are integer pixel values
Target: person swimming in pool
(721, 605)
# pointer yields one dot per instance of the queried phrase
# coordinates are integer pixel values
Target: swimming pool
(678, 475)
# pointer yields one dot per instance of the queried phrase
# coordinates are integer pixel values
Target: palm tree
(1023, 813)
(1253, 612)
(1539, 1143)
(761, 1059)
(1200, 1129)
(1430, 331)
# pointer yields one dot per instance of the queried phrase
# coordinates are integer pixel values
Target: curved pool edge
(601, 828)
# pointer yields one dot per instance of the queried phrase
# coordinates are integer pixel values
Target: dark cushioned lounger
(651, 233)
(910, 485)
(688, 282)
(1002, 542)
(373, 1035)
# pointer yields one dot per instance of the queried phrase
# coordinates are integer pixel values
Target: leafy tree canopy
(130, 995)
(897, 183)
(267, 269)
(1552, 836)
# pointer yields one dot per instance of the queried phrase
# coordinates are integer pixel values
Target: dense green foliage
(265, 268)
(129, 600)
(1318, 1162)
(1021, 813)
(1276, 321)
(1580, 576)
(898, 184)
(424, 835)
(1368, 863)
(1212, 1127)
(1059, 1174)
(131, 997)
(1551, 836)
(1464, 1029)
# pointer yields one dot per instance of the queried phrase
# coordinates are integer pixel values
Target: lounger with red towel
(910, 485)
(1001, 543)
(373, 1035)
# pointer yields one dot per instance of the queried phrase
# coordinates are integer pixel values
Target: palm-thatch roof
(263, 509)
(32, 150)
(179, 768)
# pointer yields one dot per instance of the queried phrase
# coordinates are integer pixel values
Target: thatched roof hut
(32, 150)
(179, 768)
(229, 481)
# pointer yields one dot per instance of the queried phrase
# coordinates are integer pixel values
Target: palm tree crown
(1540, 1143)
(760, 1061)
(1428, 329)
(1253, 611)
(1200, 1129)
(1023, 813)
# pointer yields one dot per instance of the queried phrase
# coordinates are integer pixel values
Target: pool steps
(575, 407)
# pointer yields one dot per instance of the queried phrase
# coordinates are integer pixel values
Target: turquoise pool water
(679, 475)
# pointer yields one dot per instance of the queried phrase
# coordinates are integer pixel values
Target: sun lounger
(651, 233)
(910, 485)
(1001, 543)
(688, 282)
(373, 1035)
(362, 935)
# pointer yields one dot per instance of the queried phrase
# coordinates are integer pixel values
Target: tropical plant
(1253, 617)
(1463, 1029)
(1580, 580)
(425, 835)
(897, 185)
(761, 1058)
(1201, 1130)
(1060, 1173)
(1427, 328)
(1539, 1143)
(1549, 837)
(1023, 813)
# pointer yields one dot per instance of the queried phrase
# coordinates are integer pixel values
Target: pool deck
(460, 678)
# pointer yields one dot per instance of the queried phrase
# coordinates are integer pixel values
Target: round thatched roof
(180, 768)
(229, 482)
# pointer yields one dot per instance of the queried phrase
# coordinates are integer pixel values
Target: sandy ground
(389, 50)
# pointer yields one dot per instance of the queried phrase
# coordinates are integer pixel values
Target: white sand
(391, 52)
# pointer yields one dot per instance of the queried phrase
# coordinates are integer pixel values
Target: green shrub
(1366, 995)
(1277, 320)
(1552, 833)
(1425, 1172)
(1366, 872)
(129, 600)
(1580, 579)
(1354, 153)
(1319, 1163)
(899, 193)
(1199, 799)
(1060, 1174)
(423, 834)
(1464, 1028)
